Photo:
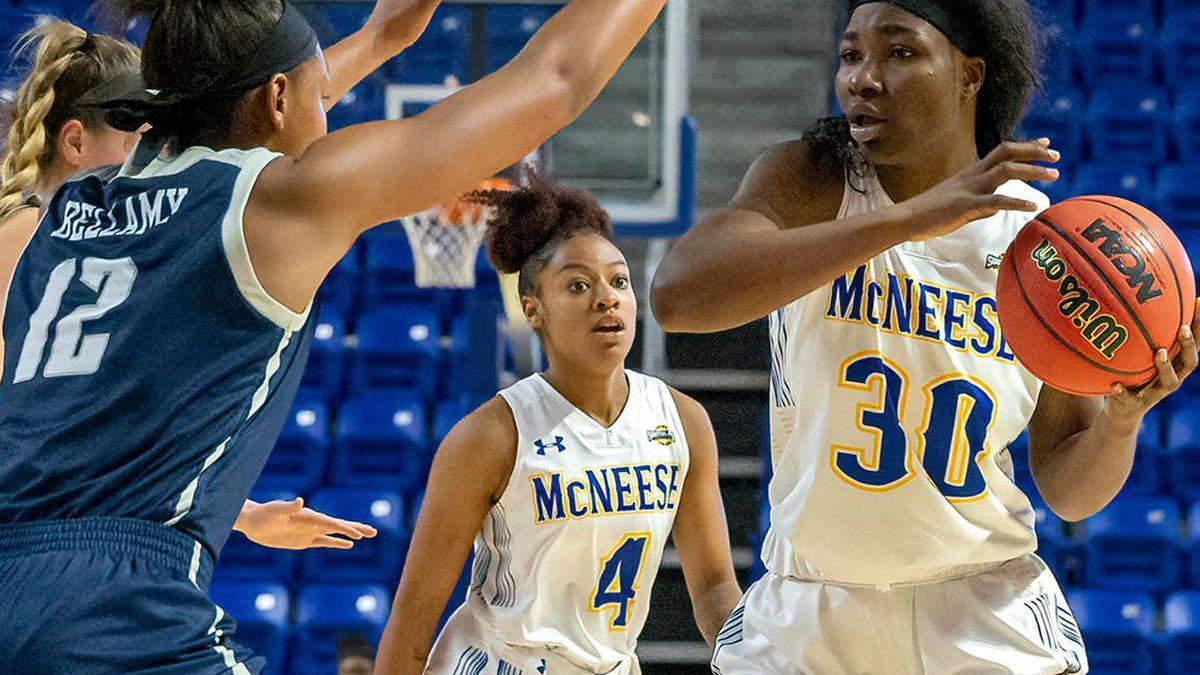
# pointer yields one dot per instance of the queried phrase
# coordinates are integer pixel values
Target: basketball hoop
(444, 250)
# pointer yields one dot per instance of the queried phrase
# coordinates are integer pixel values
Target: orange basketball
(461, 212)
(1090, 290)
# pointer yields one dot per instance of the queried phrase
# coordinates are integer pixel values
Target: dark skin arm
(469, 474)
(701, 535)
(780, 239)
(1081, 449)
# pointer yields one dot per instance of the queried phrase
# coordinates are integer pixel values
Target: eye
(902, 53)
(850, 56)
(578, 286)
(620, 282)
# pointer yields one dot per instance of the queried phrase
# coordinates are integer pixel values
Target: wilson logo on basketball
(1077, 304)
(1125, 258)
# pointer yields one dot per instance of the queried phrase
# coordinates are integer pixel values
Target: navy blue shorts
(111, 595)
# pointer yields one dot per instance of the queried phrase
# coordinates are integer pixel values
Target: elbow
(668, 301)
(1071, 506)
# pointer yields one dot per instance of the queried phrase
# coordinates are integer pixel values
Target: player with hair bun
(569, 482)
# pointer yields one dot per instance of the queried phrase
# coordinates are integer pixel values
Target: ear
(70, 144)
(276, 94)
(532, 307)
(974, 71)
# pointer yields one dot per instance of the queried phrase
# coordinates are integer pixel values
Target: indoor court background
(715, 83)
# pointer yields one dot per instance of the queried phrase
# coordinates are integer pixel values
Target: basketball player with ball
(899, 542)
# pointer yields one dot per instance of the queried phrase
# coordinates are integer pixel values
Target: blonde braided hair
(67, 63)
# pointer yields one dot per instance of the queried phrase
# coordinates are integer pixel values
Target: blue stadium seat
(243, 560)
(1177, 196)
(1145, 476)
(443, 51)
(297, 463)
(1058, 118)
(1050, 534)
(340, 289)
(390, 272)
(445, 416)
(398, 348)
(261, 612)
(335, 20)
(1181, 619)
(323, 612)
(375, 560)
(1185, 123)
(1138, 8)
(1180, 55)
(510, 27)
(327, 361)
(1118, 628)
(1063, 10)
(1128, 123)
(1117, 46)
(1193, 544)
(1178, 9)
(382, 442)
(1131, 182)
(1134, 544)
(1182, 452)
(364, 103)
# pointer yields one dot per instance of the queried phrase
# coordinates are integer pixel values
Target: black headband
(941, 15)
(290, 43)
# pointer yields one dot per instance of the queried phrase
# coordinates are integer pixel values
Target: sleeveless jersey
(893, 398)
(146, 372)
(566, 559)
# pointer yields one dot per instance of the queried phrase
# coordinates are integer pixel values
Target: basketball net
(445, 240)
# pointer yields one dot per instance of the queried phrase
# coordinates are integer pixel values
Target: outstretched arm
(701, 534)
(1081, 449)
(292, 526)
(304, 213)
(469, 474)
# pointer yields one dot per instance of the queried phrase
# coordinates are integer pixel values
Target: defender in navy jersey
(159, 315)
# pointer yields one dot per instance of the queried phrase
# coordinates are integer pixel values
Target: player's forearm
(407, 639)
(349, 62)
(735, 274)
(712, 606)
(1082, 473)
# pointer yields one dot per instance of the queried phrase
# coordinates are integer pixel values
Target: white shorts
(1011, 619)
(464, 647)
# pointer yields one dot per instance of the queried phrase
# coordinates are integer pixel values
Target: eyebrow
(588, 268)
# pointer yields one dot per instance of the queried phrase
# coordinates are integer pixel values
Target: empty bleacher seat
(1177, 9)
(1180, 54)
(445, 416)
(1134, 544)
(1181, 621)
(1131, 182)
(1145, 476)
(327, 361)
(1139, 8)
(1058, 118)
(509, 27)
(389, 275)
(398, 348)
(382, 442)
(1058, 66)
(366, 102)
(1118, 628)
(244, 560)
(371, 560)
(1117, 46)
(261, 611)
(323, 612)
(1185, 124)
(297, 462)
(335, 20)
(443, 51)
(1177, 196)
(1128, 123)
(1182, 451)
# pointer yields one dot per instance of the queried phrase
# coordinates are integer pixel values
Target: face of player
(585, 310)
(901, 83)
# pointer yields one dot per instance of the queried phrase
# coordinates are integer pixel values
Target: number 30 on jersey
(955, 418)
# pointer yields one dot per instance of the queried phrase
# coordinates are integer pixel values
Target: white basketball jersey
(566, 559)
(893, 397)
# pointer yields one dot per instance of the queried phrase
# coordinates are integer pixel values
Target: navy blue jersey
(147, 373)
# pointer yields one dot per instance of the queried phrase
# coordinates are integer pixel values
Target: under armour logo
(543, 445)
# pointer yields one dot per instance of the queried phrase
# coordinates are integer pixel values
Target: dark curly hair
(1011, 46)
(529, 223)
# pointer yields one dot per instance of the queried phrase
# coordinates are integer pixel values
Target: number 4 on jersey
(620, 573)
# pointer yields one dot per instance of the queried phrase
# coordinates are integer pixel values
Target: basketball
(1090, 290)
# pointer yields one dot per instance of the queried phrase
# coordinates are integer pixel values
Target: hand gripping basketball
(971, 194)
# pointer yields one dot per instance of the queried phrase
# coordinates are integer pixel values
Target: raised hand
(396, 24)
(292, 526)
(971, 194)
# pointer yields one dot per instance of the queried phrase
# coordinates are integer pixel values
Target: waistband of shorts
(947, 574)
(147, 541)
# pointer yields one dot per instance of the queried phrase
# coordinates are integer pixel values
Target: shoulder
(789, 185)
(691, 412)
(17, 229)
(491, 424)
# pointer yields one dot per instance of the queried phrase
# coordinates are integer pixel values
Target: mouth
(865, 128)
(609, 325)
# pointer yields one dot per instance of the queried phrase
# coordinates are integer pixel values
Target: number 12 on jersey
(620, 576)
(956, 415)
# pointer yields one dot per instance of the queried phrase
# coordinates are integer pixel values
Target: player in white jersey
(899, 542)
(569, 482)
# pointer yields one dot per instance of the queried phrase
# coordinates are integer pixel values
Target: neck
(51, 180)
(602, 396)
(903, 182)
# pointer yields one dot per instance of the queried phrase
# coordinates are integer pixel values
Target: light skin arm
(1081, 449)
(701, 534)
(780, 239)
(470, 472)
(292, 526)
(305, 212)
(15, 233)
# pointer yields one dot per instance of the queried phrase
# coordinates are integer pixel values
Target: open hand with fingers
(1129, 405)
(291, 525)
(970, 195)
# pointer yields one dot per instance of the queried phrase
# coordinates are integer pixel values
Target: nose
(607, 298)
(865, 81)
